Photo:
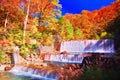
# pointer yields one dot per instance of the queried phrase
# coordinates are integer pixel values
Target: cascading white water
(66, 58)
(42, 74)
(77, 49)
(85, 46)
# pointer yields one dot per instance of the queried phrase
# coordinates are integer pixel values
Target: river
(20, 76)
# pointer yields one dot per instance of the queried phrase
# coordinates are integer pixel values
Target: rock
(7, 68)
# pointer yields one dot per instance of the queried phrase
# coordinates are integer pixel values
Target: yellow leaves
(103, 34)
(56, 4)
(96, 20)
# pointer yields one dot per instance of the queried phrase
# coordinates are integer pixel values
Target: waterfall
(26, 71)
(65, 58)
(77, 50)
(88, 46)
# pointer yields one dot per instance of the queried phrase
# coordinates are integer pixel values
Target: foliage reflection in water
(11, 76)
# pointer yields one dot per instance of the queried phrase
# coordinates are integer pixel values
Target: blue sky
(76, 6)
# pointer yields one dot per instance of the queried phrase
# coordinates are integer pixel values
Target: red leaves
(40, 6)
(42, 56)
(4, 42)
(97, 19)
(41, 28)
(11, 10)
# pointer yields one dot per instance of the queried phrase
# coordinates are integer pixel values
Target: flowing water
(20, 76)
(11, 76)
(75, 48)
(88, 46)
(24, 73)
(64, 58)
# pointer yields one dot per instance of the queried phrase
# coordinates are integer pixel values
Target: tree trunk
(6, 21)
(25, 22)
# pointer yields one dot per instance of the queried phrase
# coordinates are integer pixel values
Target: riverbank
(2, 66)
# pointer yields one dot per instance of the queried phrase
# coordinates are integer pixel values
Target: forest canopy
(23, 21)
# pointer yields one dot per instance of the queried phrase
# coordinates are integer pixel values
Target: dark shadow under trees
(113, 27)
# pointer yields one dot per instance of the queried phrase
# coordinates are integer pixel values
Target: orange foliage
(42, 56)
(97, 19)
(105, 15)
(44, 7)
(41, 28)
(11, 10)
(4, 42)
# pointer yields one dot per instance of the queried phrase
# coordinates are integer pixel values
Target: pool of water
(20, 76)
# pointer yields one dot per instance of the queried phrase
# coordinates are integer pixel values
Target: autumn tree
(10, 13)
(82, 22)
(11, 19)
(44, 9)
(93, 24)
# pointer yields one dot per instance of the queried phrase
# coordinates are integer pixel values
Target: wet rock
(7, 68)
